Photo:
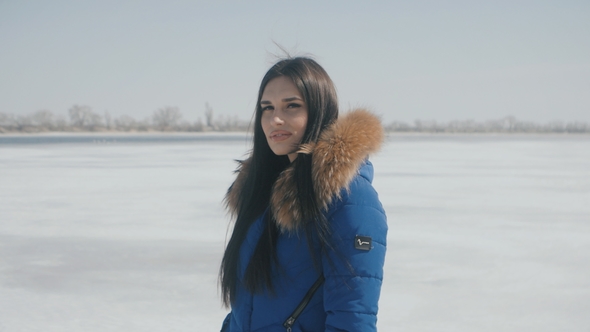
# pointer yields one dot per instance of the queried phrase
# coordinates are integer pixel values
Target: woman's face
(284, 116)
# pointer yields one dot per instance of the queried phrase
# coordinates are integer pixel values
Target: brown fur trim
(231, 197)
(284, 200)
(341, 151)
(336, 158)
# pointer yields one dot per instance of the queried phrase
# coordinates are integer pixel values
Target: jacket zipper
(291, 320)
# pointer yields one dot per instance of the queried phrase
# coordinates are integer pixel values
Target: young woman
(308, 245)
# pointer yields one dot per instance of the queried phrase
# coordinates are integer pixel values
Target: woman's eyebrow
(292, 98)
(267, 102)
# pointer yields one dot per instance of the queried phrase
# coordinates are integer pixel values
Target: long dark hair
(264, 167)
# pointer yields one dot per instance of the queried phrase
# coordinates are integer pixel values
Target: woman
(308, 245)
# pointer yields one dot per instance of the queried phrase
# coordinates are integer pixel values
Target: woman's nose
(276, 120)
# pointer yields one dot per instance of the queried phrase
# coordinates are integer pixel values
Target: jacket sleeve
(225, 324)
(354, 276)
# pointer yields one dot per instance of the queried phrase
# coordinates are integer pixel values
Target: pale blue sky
(407, 60)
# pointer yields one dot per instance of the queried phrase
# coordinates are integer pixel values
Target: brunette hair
(264, 167)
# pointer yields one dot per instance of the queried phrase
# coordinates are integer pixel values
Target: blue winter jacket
(353, 271)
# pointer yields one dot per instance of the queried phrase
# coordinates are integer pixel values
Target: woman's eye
(293, 105)
(267, 108)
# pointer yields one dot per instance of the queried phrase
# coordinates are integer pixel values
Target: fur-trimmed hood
(336, 158)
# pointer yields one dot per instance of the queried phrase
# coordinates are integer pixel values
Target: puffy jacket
(353, 271)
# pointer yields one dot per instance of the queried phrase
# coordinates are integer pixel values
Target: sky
(405, 60)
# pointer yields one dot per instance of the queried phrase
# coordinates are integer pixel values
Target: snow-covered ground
(487, 233)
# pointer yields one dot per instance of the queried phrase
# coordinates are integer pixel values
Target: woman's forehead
(280, 88)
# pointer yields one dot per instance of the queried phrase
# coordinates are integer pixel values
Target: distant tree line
(82, 118)
(506, 125)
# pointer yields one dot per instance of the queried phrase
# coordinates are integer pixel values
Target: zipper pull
(288, 323)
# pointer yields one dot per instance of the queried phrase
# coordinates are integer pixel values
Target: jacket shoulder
(360, 193)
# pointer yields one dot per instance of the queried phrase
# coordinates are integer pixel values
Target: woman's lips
(281, 135)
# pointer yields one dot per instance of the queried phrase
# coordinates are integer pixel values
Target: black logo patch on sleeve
(362, 242)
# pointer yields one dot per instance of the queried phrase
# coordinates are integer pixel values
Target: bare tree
(24, 123)
(43, 119)
(79, 114)
(107, 119)
(577, 127)
(4, 120)
(60, 123)
(166, 118)
(198, 125)
(125, 123)
(143, 125)
(398, 126)
(82, 116)
(209, 115)
(7, 122)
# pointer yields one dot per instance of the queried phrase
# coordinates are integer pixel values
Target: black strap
(291, 320)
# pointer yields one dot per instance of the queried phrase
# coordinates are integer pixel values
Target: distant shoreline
(117, 138)
(245, 134)
(124, 133)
